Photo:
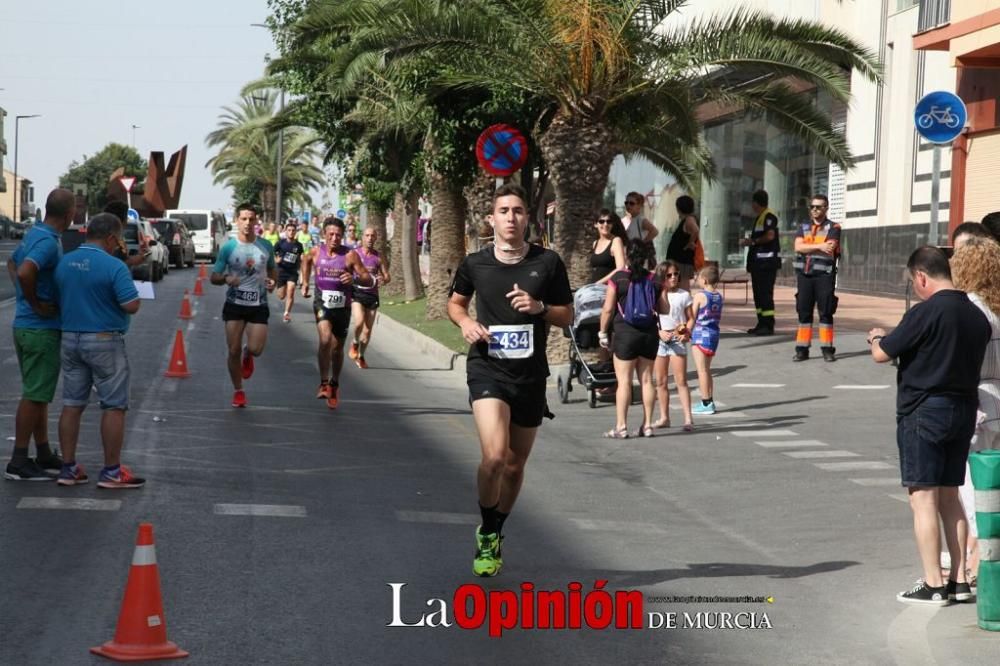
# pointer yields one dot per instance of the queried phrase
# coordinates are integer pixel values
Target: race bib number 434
(509, 342)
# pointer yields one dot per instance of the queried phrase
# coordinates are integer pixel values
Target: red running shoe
(247, 363)
(239, 399)
(334, 398)
(362, 363)
(353, 353)
(325, 391)
(122, 479)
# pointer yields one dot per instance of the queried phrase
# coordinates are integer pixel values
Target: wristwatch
(545, 309)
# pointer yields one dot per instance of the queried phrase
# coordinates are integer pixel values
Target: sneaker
(247, 363)
(26, 471)
(922, 593)
(52, 465)
(958, 591)
(239, 398)
(353, 353)
(801, 355)
(487, 562)
(324, 392)
(287, 317)
(702, 408)
(121, 479)
(333, 398)
(362, 363)
(829, 354)
(72, 475)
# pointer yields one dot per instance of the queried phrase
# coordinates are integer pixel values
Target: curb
(424, 344)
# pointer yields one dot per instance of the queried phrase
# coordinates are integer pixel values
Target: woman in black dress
(607, 255)
(634, 348)
(684, 239)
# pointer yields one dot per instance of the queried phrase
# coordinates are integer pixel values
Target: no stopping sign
(501, 150)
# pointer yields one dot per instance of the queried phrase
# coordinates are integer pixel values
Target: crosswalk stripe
(845, 466)
(597, 525)
(438, 517)
(758, 385)
(76, 504)
(877, 481)
(767, 432)
(836, 453)
(861, 387)
(790, 443)
(268, 510)
(724, 415)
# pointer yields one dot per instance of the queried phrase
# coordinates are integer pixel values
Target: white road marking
(837, 453)
(876, 481)
(790, 443)
(596, 525)
(905, 499)
(758, 386)
(442, 517)
(274, 510)
(724, 415)
(861, 387)
(845, 466)
(908, 639)
(766, 432)
(75, 504)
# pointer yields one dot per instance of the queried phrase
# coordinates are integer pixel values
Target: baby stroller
(588, 301)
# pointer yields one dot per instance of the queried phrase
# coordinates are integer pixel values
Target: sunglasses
(817, 207)
(670, 275)
(604, 221)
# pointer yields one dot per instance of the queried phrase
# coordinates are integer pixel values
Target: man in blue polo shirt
(36, 337)
(97, 295)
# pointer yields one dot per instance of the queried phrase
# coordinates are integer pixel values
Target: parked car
(177, 239)
(149, 269)
(161, 257)
(18, 229)
(208, 229)
(73, 237)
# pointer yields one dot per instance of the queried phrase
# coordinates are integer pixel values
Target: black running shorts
(527, 401)
(367, 299)
(339, 318)
(251, 314)
(286, 275)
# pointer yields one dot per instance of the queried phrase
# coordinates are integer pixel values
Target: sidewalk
(856, 312)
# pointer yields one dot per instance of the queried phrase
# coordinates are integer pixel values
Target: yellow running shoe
(487, 562)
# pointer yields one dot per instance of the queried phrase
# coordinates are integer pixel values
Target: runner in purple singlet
(366, 298)
(335, 267)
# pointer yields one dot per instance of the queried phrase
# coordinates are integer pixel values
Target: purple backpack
(639, 308)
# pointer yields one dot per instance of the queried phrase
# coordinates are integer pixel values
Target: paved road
(790, 492)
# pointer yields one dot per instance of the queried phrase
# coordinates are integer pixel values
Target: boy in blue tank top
(705, 336)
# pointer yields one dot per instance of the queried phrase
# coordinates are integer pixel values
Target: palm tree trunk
(414, 285)
(376, 219)
(578, 153)
(479, 199)
(268, 200)
(447, 241)
(397, 279)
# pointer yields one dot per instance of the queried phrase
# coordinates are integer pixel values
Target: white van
(208, 229)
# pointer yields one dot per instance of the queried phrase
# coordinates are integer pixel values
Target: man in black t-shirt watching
(289, 253)
(940, 345)
(521, 289)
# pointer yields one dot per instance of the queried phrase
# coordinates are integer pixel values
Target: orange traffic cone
(185, 307)
(142, 628)
(198, 291)
(202, 272)
(178, 358)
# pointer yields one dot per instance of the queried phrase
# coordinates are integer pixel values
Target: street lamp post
(134, 128)
(281, 151)
(17, 192)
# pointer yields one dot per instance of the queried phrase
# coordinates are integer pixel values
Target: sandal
(615, 433)
(645, 431)
(662, 423)
(688, 427)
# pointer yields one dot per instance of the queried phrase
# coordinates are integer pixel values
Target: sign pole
(128, 195)
(932, 234)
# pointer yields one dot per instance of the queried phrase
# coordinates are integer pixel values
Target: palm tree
(613, 80)
(248, 150)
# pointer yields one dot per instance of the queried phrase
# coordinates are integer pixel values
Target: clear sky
(94, 68)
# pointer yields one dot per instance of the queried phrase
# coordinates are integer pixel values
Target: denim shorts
(95, 360)
(933, 441)
(672, 348)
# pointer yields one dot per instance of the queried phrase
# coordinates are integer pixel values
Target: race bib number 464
(510, 342)
(249, 297)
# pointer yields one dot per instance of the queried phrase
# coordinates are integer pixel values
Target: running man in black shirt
(940, 344)
(520, 290)
(289, 253)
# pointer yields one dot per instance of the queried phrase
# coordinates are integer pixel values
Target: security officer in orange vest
(763, 262)
(817, 247)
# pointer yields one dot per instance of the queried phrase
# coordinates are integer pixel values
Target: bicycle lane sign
(940, 116)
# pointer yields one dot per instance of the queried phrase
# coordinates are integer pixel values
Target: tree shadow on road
(768, 405)
(722, 570)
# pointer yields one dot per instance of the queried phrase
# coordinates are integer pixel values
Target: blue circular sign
(940, 116)
(132, 214)
(341, 213)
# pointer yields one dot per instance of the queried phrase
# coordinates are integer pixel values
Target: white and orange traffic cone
(142, 628)
(185, 307)
(178, 359)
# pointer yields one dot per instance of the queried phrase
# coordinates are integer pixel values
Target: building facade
(24, 189)
(885, 201)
